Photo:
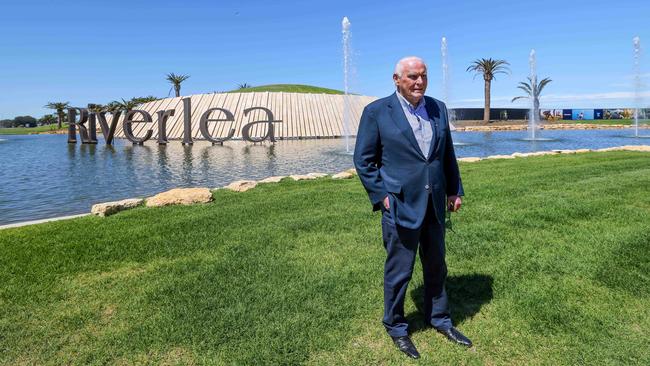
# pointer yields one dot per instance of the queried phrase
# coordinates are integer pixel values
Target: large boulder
(109, 208)
(310, 176)
(352, 171)
(644, 148)
(520, 155)
(302, 177)
(241, 185)
(180, 196)
(318, 175)
(275, 179)
(470, 159)
(343, 175)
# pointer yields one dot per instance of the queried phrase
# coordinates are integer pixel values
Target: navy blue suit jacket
(390, 163)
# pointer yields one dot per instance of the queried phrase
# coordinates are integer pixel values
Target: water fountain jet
(446, 95)
(532, 121)
(345, 26)
(636, 41)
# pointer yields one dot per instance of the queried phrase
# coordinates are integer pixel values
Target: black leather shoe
(456, 336)
(405, 345)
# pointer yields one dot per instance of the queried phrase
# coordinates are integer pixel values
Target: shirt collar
(406, 104)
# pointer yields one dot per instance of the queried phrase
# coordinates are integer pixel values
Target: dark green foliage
(141, 100)
(287, 88)
(20, 121)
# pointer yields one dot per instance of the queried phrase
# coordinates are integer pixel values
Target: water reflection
(44, 176)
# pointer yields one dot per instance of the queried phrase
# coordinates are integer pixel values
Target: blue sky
(95, 52)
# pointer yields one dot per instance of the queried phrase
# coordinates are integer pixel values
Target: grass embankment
(31, 130)
(548, 265)
(289, 88)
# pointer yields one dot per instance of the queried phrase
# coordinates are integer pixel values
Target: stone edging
(187, 196)
(641, 148)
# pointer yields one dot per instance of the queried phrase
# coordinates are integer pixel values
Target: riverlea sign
(86, 121)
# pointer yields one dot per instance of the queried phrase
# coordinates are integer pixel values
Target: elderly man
(405, 159)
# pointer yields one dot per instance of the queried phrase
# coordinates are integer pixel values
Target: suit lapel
(434, 118)
(397, 114)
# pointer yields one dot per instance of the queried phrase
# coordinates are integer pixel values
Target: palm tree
(97, 108)
(112, 107)
(244, 86)
(59, 107)
(121, 106)
(47, 119)
(176, 81)
(488, 67)
(142, 100)
(533, 90)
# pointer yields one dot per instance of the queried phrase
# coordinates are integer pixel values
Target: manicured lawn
(29, 130)
(289, 88)
(549, 264)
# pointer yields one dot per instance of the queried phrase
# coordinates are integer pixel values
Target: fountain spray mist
(532, 121)
(636, 41)
(345, 26)
(446, 88)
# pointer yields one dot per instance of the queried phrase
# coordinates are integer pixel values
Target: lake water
(42, 176)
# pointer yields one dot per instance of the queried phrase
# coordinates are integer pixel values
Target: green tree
(176, 81)
(112, 107)
(59, 107)
(96, 108)
(533, 90)
(48, 119)
(244, 86)
(488, 68)
(120, 106)
(27, 121)
(142, 100)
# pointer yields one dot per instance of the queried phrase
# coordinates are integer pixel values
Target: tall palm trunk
(61, 116)
(486, 109)
(177, 89)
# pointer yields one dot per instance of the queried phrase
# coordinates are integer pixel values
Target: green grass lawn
(549, 264)
(29, 130)
(289, 88)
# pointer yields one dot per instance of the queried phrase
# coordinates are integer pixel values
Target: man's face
(413, 82)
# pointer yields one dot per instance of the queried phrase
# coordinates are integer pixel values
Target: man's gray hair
(399, 68)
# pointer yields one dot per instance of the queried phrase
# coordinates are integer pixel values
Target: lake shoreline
(468, 126)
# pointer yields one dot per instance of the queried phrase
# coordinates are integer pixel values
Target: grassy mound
(289, 88)
(548, 265)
